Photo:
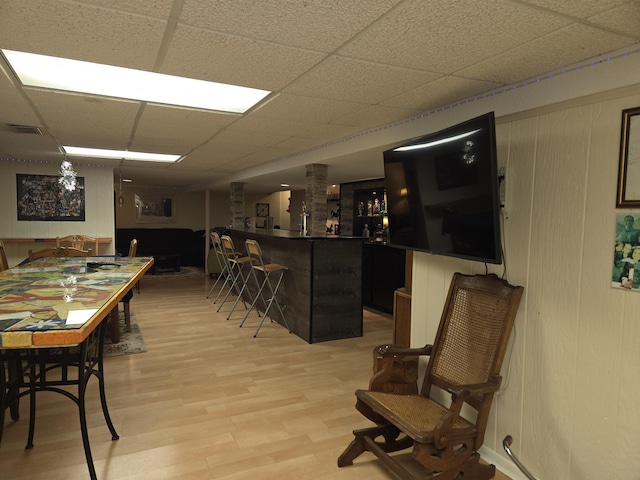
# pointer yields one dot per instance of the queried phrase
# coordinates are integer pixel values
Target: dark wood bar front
(322, 289)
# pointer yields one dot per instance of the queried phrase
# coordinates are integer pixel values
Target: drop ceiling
(338, 69)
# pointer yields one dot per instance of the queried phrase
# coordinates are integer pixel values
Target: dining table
(54, 313)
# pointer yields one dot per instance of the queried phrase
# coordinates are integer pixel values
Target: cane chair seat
(415, 415)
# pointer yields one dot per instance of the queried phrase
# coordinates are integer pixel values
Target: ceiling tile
(86, 121)
(328, 132)
(307, 109)
(315, 25)
(377, 115)
(156, 8)
(235, 60)
(577, 8)
(15, 108)
(179, 129)
(579, 42)
(625, 19)
(443, 37)
(441, 92)
(72, 30)
(342, 78)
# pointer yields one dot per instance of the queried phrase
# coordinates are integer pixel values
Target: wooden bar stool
(238, 282)
(257, 265)
(218, 251)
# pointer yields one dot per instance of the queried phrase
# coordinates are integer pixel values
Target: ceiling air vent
(27, 129)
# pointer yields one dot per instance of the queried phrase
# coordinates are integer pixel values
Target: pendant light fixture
(67, 176)
(121, 198)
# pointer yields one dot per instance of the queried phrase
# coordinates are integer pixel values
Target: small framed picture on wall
(629, 167)
(262, 209)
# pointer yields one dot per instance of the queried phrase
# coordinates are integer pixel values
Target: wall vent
(25, 129)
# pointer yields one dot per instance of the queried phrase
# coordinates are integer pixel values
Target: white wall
(571, 397)
(189, 207)
(98, 208)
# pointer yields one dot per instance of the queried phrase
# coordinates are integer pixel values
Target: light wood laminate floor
(208, 401)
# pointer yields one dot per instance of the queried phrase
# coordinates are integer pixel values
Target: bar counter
(322, 289)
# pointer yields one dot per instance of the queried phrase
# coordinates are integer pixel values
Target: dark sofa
(187, 243)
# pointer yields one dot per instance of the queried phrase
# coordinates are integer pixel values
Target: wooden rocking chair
(465, 360)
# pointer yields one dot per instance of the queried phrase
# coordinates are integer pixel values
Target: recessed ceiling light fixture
(120, 154)
(55, 73)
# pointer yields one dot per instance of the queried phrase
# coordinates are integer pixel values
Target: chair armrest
(392, 350)
(395, 369)
(459, 394)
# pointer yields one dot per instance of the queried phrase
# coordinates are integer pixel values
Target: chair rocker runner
(465, 361)
(257, 265)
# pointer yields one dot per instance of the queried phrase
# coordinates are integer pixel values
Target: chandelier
(67, 176)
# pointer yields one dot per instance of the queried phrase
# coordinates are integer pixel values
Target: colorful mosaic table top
(59, 301)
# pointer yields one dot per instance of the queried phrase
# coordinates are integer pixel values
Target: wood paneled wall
(98, 207)
(569, 398)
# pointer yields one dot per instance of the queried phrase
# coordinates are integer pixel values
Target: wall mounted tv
(442, 192)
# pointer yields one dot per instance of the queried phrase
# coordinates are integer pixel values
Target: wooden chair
(465, 361)
(77, 241)
(4, 265)
(59, 252)
(133, 247)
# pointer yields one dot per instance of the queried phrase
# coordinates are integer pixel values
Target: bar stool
(257, 265)
(238, 282)
(224, 268)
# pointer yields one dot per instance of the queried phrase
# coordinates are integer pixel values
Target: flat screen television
(442, 192)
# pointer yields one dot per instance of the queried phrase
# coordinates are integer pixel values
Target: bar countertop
(293, 234)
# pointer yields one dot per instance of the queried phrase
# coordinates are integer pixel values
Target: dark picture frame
(155, 208)
(262, 209)
(629, 167)
(43, 198)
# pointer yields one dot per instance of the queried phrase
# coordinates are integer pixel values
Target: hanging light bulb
(67, 176)
(121, 198)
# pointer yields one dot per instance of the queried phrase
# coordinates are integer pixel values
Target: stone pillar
(236, 205)
(316, 198)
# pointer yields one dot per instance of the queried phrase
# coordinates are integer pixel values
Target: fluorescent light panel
(120, 154)
(56, 73)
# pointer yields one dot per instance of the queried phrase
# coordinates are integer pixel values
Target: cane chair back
(465, 361)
